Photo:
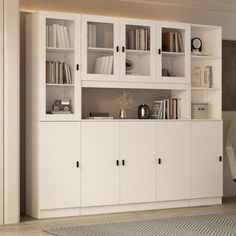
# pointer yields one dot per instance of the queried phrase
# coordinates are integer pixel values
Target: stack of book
(58, 73)
(138, 39)
(103, 65)
(92, 35)
(172, 42)
(167, 109)
(57, 36)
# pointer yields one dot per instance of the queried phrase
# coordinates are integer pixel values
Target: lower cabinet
(173, 163)
(206, 159)
(99, 166)
(59, 152)
(124, 162)
(137, 154)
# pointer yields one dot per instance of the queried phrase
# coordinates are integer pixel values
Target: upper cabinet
(68, 54)
(55, 46)
(135, 50)
(174, 51)
(114, 48)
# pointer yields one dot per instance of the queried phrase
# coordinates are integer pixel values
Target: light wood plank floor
(32, 227)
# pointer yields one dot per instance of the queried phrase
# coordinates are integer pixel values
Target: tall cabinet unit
(53, 112)
(83, 66)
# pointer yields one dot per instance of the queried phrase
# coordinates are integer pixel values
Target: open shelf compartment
(105, 100)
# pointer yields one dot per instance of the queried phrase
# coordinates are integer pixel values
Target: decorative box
(200, 110)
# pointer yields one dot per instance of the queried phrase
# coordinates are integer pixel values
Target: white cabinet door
(100, 48)
(137, 50)
(59, 176)
(206, 159)
(173, 161)
(54, 55)
(137, 154)
(100, 173)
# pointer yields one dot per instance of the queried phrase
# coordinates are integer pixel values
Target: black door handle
(159, 161)
(123, 162)
(220, 158)
(123, 49)
(117, 163)
(117, 48)
(77, 164)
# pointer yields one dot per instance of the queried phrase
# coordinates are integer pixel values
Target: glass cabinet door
(174, 52)
(137, 39)
(60, 82)
(100, 45)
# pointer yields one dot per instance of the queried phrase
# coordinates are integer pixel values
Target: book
(61, 28)
(110, 65)
(66, 34)
(106, 64)
(90, 35)
(100, 118)
(99, 65)
(94, 36)
(166, 42)
(180, 41)
(58, 37)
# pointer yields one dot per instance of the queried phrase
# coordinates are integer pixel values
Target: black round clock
(196, 44)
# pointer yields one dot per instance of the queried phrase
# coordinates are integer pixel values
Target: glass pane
(59, 66)
(100, 48)
(173, 57)
(138, 43)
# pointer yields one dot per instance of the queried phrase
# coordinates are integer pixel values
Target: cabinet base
(42, 214)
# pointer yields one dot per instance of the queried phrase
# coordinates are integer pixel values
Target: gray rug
(211, 225)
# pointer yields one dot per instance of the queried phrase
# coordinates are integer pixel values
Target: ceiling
(219, 5)
(216, 5)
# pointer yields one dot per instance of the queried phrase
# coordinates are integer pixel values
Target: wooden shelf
(64, 50)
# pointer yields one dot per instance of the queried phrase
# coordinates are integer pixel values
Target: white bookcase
(98, 166)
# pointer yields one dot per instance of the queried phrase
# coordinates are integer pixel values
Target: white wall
(1, 111)
(11, 111)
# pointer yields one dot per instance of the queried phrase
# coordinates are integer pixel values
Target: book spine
(66, 37)
(61, 30)
(47, 35)
(94, 35)
(54, 36)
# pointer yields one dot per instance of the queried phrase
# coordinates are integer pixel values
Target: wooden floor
(32, 227)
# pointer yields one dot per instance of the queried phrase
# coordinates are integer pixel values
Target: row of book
(138, 39)
(172, 42)
(57, 36)
(92, 35)
(104, 65)
(58, 73)
(167, 109)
